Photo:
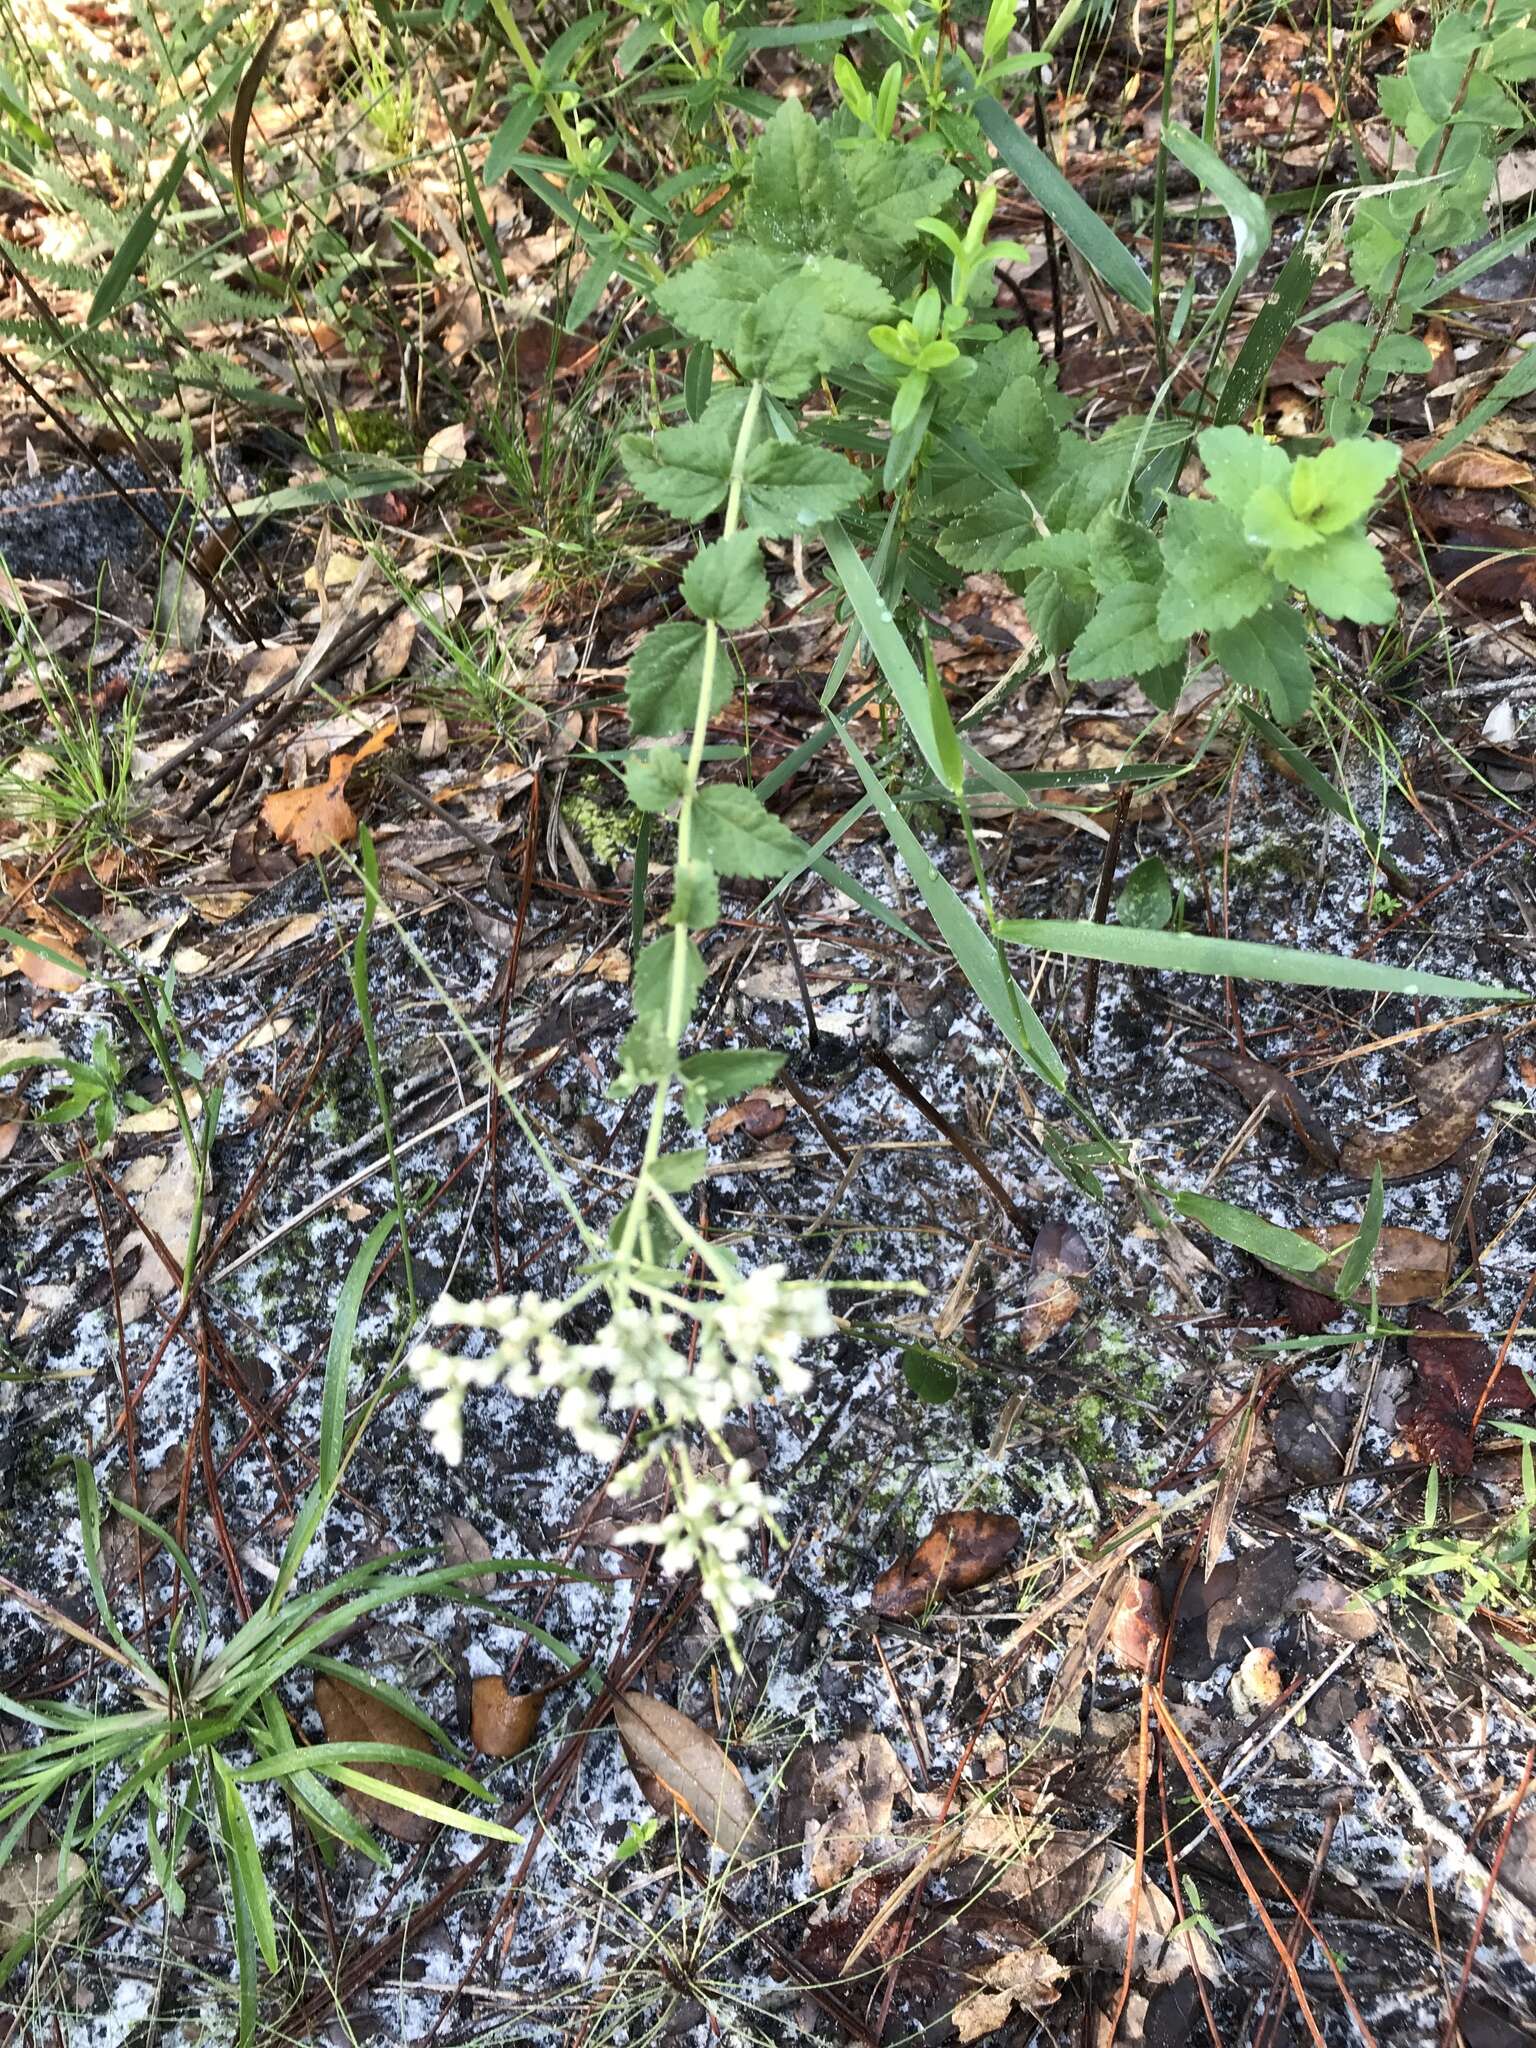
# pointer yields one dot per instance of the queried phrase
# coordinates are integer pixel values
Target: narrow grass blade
(1242, 959)
(1245, 209)
(1518, 382)
(1100, 248)
(1271, 1242)
(415, 1802)
(245, 1858)
(886, 645)
(1357, 1262)
(338, 1358)
(141, 232)
(240, 116)
(973, 951)
(1275, 322)
(1301, 765)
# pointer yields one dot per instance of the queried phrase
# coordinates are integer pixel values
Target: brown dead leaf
(348, 1713)
(1454, 1379)
(502, 1723)
(1408, 1265)
(61, 976)
(1136, 1628)
(839, 1805)
(1161, 1956)
(1284, 1103)
(463, 1544)
(1050, 1300)
(392, 650)
(317, 816)
(676, 1764)
(1454, 1091)
(961, 1550)
(1475, 469)
(759, 1114)
(1472, 1075)
(1027, 1978)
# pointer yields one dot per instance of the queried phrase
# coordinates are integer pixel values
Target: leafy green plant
(1454, 109)
(207, 1722)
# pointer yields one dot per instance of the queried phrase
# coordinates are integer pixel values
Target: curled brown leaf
(1050, 1299)
(1407, 1266)
(1283, 1101)
(349, 1713)
(502, 1723)
(677, 1764)
(1454, 1092)
(961, 1550)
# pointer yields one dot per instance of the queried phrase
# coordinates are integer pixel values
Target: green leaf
(1123, 638)
(711, 298)
(338, 1357)
(655, 777)
(1097, 244)
(1238, 463)
(1216, 577)
(930, 1376)
(739, 836)
(244, 1857)
(710, 1078)
(687, 470)
(1271, 1242)
(892, 187)
(783, 344)
(798, 197)
(695, 895)
(1357, 1260)
(1059, 591)
(1243, 959)
(1019, 428)
(666, 673)
(791, 487)
(1345, 578)
(1269, 654)
(141, 232)
(1337, 488)
(1269, 522)
(1146, 897)
(725, 582)
(649, 1052)
(1268, 335)
(973, 952)
(1246, 210)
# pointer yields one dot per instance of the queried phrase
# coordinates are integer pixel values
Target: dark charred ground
(1408, 1729)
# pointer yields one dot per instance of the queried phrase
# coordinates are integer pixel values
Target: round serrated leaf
(725, 582)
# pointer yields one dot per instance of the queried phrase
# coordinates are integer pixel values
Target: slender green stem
(677, 986)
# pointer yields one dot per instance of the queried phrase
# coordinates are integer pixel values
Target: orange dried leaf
(501, 1723)
(960, 1551)
(317, 816)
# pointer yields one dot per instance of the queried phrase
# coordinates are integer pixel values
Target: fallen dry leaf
(676, 1764)
(501, 1723)
(1050, 1300)
(165, 1207)
(841, 1800)
(1136, 1627)
(1471, 468)
(61, 976)
(463, 1544)
(348, 1713)
(316, 815)
(1454, 1092)
(1453, 1379)
(1161, 1956)
(1027, 1978)
(1408, 1265)
(961, 1550)
(392, 650)
(1471, 1075)
(1283, 1101)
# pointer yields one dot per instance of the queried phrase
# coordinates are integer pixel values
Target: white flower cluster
(758, 1321)
(708, 1530)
